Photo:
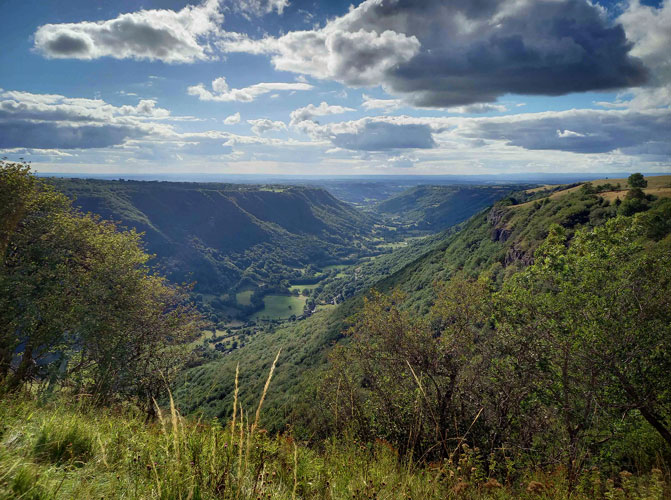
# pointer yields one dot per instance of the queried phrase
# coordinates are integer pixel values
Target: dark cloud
(441, 54)
(579, 131)
(478, 51)
(68, 45)
(382, 136)
(51, 135)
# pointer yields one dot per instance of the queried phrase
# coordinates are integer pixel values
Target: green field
(280, 307)
(244, 298)
(338, 267)
(393, 245)
(300, 288)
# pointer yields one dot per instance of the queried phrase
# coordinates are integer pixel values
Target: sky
(302, 87)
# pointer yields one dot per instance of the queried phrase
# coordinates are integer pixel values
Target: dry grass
(119, 455)
(658, 185)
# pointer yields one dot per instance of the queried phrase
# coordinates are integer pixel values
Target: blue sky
(305, 87)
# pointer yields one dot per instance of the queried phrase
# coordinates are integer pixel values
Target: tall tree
(594, 317)
(79, 302)
(637, 181)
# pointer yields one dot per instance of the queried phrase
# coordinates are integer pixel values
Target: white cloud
(388, 105)
(263, 125)
(569, 133)
(52, 121)
(165, 35)
(384, 104)
(232, 119)
(310, 111)
(222, 93)
(478, 108)
(649, 28)
(260, 7)
(356, 58)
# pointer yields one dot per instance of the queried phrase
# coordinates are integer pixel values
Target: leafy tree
(637, 181)
(79, 303)
(401, 376)
(593, 319)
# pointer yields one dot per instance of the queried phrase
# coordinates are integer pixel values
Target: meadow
(58, 447)
(280, 307)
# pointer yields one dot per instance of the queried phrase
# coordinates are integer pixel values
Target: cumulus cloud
(260, 7)
(51, 121)
(222, 93)
(263, 125)
(383, 104)
(54, 107)
(578, 130)
(165, 35)
(369, 134)
(446, 54)
(648, 27)
(310, 111)
(402, 161)
(232, 119)
(356, 58)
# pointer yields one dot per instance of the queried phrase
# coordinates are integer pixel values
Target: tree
(637, 181)
(401, 376)
(593, 319)
(79, 303)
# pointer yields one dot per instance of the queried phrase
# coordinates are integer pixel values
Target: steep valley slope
(228, 236)
(497, 241)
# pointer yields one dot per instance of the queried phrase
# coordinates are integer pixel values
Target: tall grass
(69, 450)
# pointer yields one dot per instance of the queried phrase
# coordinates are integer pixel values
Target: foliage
(79, 304)
(568, 355)
(413, 372)
(597, 315)
(115, 453)
(495, 243)
(637, 181)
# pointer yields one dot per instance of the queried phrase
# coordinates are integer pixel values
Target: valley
(278, 252)
(389, 327)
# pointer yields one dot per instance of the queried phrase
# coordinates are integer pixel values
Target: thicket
(568, 364)
(79, 304)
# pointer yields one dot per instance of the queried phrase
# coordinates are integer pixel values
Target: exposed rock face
(496, 215)
(500, 234)
(496, 218)
(516, 254)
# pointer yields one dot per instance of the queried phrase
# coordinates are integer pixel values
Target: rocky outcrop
(500, 234)
(516, 254)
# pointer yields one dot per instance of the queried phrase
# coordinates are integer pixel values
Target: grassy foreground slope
(63, 449)
(498, 241)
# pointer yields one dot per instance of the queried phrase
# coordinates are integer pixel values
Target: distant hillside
(226, 236)
(439, 207)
